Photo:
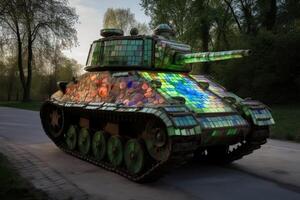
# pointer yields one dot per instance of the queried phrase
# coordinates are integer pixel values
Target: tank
(137, 111)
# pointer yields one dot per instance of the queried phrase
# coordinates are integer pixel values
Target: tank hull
(150, 121)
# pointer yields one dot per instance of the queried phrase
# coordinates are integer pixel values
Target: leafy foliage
(123, 19)
(271, 74)
(270, 28)
(287, 125)
(50, 66)
(30, 24)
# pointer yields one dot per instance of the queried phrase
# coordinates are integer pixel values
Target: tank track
(257, 138)
(177, 156)
(244, 149)
(182, 149)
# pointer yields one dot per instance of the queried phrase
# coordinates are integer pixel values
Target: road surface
(272, 172)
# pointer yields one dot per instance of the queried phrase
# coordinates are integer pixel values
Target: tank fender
(259, 113)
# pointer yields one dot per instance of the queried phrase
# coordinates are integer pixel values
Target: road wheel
(156, 140)
(115, 150)
(84, 141)
(99, 145)
(134, 156)
(71, 137)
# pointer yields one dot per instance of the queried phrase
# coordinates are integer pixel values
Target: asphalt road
(272, 172)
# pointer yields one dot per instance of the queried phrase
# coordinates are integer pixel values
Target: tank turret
(157, 52)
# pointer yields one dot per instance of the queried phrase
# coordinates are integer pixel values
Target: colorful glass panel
(104, 87)
(127, 52)
(224, 121)
(94, 57)
(123, 52)
(148, 52)
(180, 85)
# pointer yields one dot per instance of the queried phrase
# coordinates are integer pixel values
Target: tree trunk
(26, 96)
(20, 63)
(270, 15)
(10, 83)
(234, 15)
(205, 42)
(205, 38)
(246, 9)
(17, 95)
(9, 90)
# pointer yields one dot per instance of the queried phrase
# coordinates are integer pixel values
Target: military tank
(138, 111)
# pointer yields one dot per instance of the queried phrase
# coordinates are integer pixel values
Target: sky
(91, 14)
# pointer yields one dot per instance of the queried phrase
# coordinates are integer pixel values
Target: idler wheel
(134, 156)
(99, 145)
(54, 120)
(84, 141)
(115, 150)
(156, 140)
(71, 137)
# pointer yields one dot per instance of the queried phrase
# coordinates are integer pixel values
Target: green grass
(13, 186)
(34, 105)
(287, 119)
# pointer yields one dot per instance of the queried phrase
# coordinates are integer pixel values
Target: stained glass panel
(180, 85)
(123, 53)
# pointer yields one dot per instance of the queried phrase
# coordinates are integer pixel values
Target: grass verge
(287, 121)
(34, 105)
(13, 186)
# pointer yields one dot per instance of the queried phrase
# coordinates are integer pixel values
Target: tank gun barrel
(210, 56)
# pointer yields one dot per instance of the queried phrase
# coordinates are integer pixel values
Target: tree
(119, 18)
(270, 28)
(143, 28)
(173, 12)
(192, 20)
(123, 19)
(222, 25)
(33, 20)
(252, 15)
(268, 9)
(229, 4)
(11, 21)
(288, 14)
